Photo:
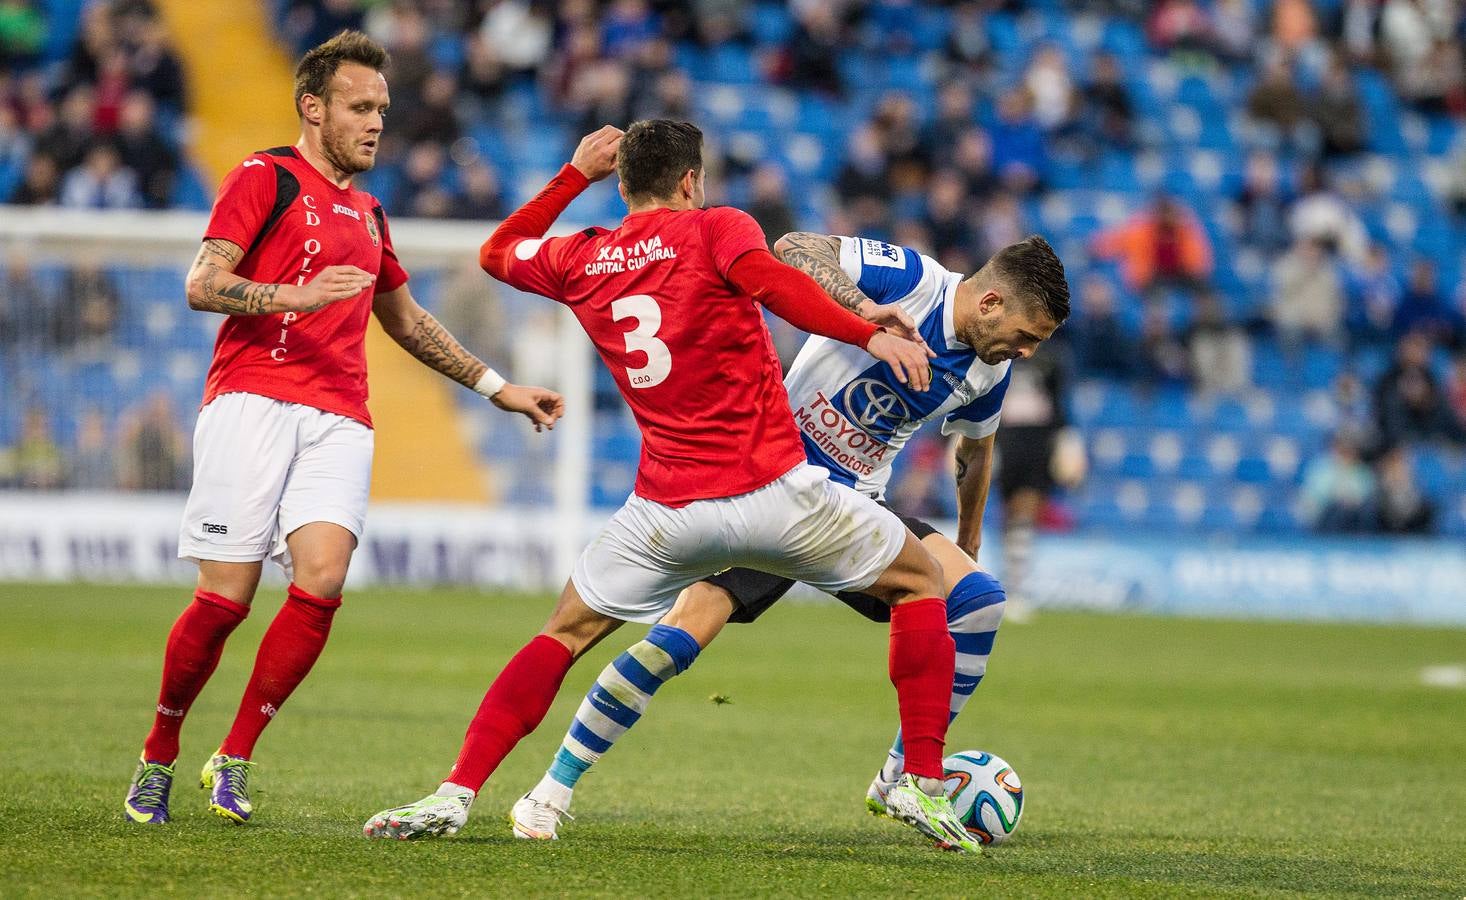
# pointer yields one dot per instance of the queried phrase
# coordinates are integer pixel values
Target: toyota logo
(876, 408)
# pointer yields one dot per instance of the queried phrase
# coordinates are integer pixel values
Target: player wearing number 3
(671, 301)
(298, 260)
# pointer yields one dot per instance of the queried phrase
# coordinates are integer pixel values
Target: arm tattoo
(435, 348)
(220, 290)
(818, 256)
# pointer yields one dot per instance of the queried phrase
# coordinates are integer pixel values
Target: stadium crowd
(1293, 172)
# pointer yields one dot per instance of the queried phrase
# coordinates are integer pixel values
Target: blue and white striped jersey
(852, 413)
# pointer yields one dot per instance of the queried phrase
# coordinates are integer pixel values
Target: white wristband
(491, 384)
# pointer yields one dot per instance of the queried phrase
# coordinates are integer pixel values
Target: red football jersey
(292, 223)
(689, 351)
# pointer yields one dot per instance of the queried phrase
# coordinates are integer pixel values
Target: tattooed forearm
(213, 286)
(818, 256)
(434, 347)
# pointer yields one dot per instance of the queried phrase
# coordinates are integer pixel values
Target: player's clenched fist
(907, 359)
(333, 284)
(596, 155)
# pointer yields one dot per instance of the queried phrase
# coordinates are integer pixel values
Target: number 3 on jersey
(648, 316)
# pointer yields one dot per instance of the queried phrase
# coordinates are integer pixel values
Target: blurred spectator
(1159, 247)
(896, 126)
(967, 38)
(1101, 342)
(1455, 188)
(1234, 29)
(1308, 295)
(144, 150)
(1033, 419)
(1277, 103)
(85, 313)
(406, 33)
(1220, 355)
(22, 33)
(434, 117)
(626, 24)
(1164, 358)
(1374, 297)
(1263, 203)
(1002, 223)
(1401, 506)
(1338, 111)
(1108, 111)
(153, 449)
(815, 51)
(517, 34)
(769, 204)
(36, 460)
(25, 314)
(41, 184)
(15, 143)
(1338, 489)
(1323, 215)
(96, 39)
(71, 135)
(1424, 309)
(93, 462)
(954, 117)
(1408, 403)
(1425, 59)
(1353, 410)
(311, 22)
(1295, 27)
(1359, 26)
(948, 214)
(1456, 392)
(484, 74)
(1019, 156)
(864, 172)
(670, 98)
(1050, 87)
(924, 480)
(479, 196)
(101, 182)
(155, 66)
(1182, 27)
(973, 160)
(422, 171)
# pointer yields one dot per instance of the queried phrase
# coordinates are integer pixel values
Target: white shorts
(262, 468)
(801, 526)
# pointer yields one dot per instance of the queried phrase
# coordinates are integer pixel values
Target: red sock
(289, 649)
(192, 653)
(514, 706)
(922, 664)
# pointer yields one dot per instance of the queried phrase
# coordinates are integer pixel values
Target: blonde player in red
(298, 260)
(671, 299)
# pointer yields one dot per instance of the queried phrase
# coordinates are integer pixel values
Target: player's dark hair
(655, 154)
(315, 70)
(1033, 270)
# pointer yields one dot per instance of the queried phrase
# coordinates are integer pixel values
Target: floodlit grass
(1160, 757)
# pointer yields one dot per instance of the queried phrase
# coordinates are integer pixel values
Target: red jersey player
(671, 301)
(298, 260)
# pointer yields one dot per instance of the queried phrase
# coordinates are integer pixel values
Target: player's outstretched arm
(212, 285)
(420, 333)
(594, 159)
(974, 475)
(818, 256)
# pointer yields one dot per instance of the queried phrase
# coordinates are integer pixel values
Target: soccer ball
(986, 793)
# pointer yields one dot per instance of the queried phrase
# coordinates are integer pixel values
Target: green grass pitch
(1160, 757)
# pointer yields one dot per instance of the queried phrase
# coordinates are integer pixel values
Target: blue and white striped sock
(613, 704)
(974, 612)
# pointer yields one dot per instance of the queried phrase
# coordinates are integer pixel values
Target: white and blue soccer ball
(986, 793)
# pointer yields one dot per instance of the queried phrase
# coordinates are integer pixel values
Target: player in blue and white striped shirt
(854, 418)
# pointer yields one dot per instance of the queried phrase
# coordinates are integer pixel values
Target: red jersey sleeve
(730, 234)
(244, 202)
(391, 275)
(539, 265)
